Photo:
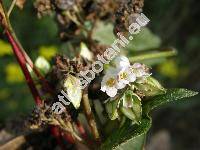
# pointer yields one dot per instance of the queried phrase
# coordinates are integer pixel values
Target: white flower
(140, 70)
(109, 83)
(125, 76)
(121, 62)
(122, 74)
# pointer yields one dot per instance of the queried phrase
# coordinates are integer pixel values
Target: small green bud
(111, 108)
(132, 107)
(129, 104)
(150, 87)
(43, 65)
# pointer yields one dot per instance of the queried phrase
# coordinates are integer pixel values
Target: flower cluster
(122, 73)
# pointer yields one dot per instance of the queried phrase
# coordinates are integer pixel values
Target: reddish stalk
(69, 138)
(22, 62)
(30, 63)
(81, 130)
(56, 133)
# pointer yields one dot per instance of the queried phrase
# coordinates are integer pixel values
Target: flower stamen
(111, 82)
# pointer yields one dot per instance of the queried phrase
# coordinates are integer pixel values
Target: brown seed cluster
(127, 13)
(71, 15)
(44, 7)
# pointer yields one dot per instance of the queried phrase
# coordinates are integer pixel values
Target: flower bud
(132, 107)
(111, 108)
(43, 65)
(150, 87)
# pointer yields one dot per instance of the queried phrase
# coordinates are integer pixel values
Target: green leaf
(144, 40)
(104, 33)
(134, 144)
(129, 134)
(170, 96)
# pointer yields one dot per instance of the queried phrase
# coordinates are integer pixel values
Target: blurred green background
(173, 23)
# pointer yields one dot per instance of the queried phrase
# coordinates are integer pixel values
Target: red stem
(22, 61)
(69, 138)
(81, 130)
(56, 133)
(38, 74)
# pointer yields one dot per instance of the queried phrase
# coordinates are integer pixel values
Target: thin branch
(15, 143)
(8, 27)
(19, 54)
(89, 115)
(11, 7)
(22, 62)
(153, 56)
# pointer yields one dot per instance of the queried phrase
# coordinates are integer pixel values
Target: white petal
(111, 92)
(137, 65)
(124, 64)
(121, 61)
(131, 77)
(120, 85)
(124, 81)
(103, 88)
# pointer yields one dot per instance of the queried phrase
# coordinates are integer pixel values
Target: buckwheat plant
(113, 110)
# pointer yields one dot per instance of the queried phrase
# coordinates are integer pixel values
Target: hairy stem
(153, 56)
(89, 115)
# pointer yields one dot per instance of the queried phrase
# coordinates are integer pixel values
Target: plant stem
(153, 56)
(11, 7)
(6, 24)
(22, 63)
(89, 115)
(19, 54)
(22, 57)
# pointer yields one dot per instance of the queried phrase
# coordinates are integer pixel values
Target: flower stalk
(90, 116)
(11, 7)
